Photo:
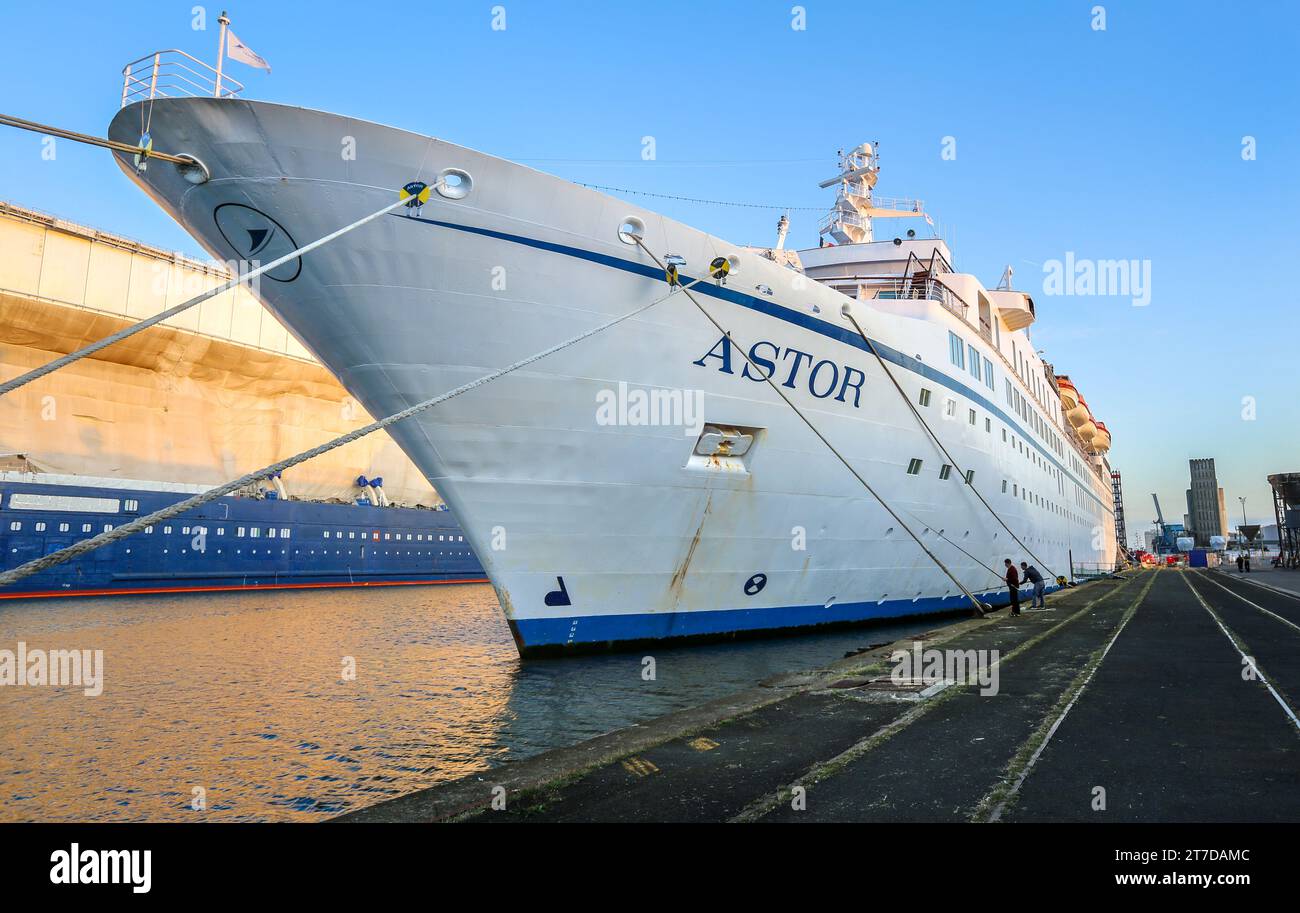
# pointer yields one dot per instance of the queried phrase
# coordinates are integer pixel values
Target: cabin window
(914, 467)
(974, 362)
(63, 527)
(972, 416)
(85, 527)
(970, 476)
(1004, 486)
(944, 471)
(40, 527)
(988, 375)
(16, 525)
(924, 398)
(956, 350)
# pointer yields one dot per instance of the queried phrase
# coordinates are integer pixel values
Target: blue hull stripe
(780, 312)
(537, 633)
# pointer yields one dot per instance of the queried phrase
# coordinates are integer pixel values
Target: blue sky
(1122, 143)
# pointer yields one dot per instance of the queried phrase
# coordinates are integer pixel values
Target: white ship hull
(596, 533)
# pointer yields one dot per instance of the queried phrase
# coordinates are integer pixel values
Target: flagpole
(221, 51)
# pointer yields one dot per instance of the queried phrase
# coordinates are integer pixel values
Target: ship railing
(174, 74)
(917, 288)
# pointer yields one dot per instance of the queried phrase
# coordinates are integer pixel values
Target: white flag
(237, 50)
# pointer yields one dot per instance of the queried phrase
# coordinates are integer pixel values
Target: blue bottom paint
(552, 634)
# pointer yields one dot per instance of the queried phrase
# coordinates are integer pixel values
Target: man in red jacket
(1013, 584)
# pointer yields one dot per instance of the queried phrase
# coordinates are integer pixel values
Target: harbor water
(302, 704)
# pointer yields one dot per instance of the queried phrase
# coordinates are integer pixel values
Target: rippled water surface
(243, 696)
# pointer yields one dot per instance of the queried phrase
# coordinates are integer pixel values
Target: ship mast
(850, 222)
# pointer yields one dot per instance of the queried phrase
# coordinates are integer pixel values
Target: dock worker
(1031, 574)
(1013, 584)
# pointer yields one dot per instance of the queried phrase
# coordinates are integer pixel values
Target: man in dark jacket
(1013, 584)
(1032, 576)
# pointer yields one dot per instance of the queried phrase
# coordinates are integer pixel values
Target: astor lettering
(789, 367)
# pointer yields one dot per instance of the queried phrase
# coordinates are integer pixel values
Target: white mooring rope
(848, 312)
(166, 513)
(38, 373)
(978, 606)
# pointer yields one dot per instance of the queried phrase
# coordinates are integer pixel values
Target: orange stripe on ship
(230, 589)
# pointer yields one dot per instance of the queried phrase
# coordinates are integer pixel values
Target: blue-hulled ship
(236, 543)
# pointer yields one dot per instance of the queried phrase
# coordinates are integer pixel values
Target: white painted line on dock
(1264, 586)
(1244, 658)
(1273, 615)
(1033, 759)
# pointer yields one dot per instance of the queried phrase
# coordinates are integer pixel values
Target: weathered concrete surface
(1169, 728)
(1130, 685)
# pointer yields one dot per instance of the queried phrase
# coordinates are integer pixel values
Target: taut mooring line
(8, 120)
(166, 513)
(38, 373)
(978, 606)
(848, 312)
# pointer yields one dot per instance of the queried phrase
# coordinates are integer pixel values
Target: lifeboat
(1084, 424)
(1079, 414)
(1069, 395)
(1101, 441)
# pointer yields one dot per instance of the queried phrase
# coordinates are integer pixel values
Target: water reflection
(243, 696)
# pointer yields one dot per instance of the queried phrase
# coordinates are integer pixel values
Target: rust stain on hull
(679, 576)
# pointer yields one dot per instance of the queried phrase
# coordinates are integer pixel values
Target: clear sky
(1117, 143)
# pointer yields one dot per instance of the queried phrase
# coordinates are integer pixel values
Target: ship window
(419, 537)
(924, 398)
(16, 525)
(944, 471)
(132, 504)
(325, 535)
(221, 530)
(63, 527)
(988, 425)
(338, 535)
(108, 527)
(974, 362)
(440, 538)
(956, 350)
(40, 527)
(270, 533)
(460, 538)
(284, 534)
(1004, 486)
(352, 535)
(950, 407)
(1010, 401)
(1015, 490)
(255, 532)
(988, 375)
(972, 416)
(408, 537)
(240, 532)
(914, 467)
(970, 476)
(85, 527)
